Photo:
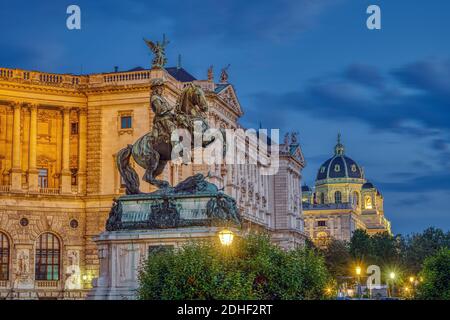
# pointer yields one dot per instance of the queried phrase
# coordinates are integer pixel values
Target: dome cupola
(340, 168)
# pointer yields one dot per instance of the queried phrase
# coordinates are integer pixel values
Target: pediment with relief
(228, 95)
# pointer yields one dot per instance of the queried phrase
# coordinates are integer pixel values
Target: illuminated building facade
(342, 201)
(59, 134)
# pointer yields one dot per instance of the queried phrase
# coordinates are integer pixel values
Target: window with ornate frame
(356, 198)
(4, 257)
(338, 197)
(74, 176)
(125, 121)
(321, 223)
(43, 178)
(47, 260)
(74, 128)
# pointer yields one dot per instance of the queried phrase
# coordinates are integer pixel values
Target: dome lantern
(339, 148)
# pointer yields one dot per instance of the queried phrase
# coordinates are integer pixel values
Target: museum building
(342, 201)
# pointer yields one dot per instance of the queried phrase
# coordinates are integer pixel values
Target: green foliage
(360, 245)
(338, 259)
(422, 245)
(253, 268)
(403, 255)
(381, 249)
(436, 276)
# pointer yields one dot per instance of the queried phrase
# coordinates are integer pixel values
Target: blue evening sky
(301, 65)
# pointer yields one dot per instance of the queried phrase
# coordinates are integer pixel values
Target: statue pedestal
(142, 223)
(121, 254)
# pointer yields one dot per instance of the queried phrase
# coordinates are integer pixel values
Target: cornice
(22, 85)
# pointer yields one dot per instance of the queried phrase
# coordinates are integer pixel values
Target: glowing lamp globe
(226, 237)
(358, 270)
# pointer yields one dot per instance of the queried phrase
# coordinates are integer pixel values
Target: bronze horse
(152, 153)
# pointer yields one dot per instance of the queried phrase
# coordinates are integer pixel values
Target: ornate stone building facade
(59, 134)
(342, 201)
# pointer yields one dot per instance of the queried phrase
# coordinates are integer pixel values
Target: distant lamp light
(84, 277)
(226, 237)
(358, 270)
(392, 275)
(411, 279)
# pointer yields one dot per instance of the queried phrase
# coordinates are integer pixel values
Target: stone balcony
(95, 80)
(42, 191)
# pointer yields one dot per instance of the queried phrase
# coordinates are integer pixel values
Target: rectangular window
(43, 178)
(125, 122)
(74, 128)
(321, 223)
(74, 176)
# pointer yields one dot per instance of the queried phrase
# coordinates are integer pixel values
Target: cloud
(231, 20)
(426, 181)
(412, 99)
(432, 76)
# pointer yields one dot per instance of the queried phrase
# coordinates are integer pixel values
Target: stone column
(16, 169)
(82, 148)
(32, 170)
(66, 186)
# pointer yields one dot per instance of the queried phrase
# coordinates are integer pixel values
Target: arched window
(322, 198)
(47, 257)
(356, 198)
(368, 202)
(4, 257)
(338, 197)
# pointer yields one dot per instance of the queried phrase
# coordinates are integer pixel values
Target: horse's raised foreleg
(154, 168)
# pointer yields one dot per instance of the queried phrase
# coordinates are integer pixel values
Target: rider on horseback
(164, 121)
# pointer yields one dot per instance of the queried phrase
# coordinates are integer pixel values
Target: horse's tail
(128, 174)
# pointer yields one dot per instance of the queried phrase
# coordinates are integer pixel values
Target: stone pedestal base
(121, 254)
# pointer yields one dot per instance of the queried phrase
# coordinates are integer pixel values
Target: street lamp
(358, 273)
(392, 277)
(226, 237)
(412, 280)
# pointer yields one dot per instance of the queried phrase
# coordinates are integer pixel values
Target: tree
(436, 277)
(361, 246)
(253, 268)
(422, 245)
(385, 249)
(337, 258)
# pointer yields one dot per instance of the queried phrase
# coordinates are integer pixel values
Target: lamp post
(392, 277)
(358, 274)
(412, 280)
